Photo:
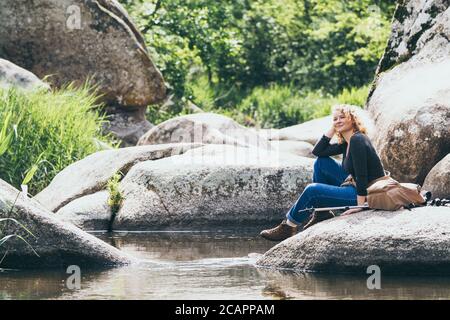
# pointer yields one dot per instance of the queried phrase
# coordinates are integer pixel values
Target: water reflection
(293, 285)
(207, 265)
(16, 284)
(188, 246)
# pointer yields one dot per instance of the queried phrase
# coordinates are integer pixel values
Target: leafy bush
(210, 96)
(354, 96)
(157, 114)
(48, 131)
(281, 106)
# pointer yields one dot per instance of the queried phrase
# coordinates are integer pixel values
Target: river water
(216, 264)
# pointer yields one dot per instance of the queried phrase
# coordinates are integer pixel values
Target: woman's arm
(361, 200)
(323, 148)
(359, 160)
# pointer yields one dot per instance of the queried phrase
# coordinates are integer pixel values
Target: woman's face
(342, 123)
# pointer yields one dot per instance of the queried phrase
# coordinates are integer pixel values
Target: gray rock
(266, 133)
(414, 22)
(194, 108)
(58, 244)
(90, 212)
(101, 145)
(410, 97)
(15, 76)
(309, 131)
(416, 241)
(210, 186)
(129, 127)
(208, 128)
(299, 148)
(438, 179)
(91, 174)
(73, 40)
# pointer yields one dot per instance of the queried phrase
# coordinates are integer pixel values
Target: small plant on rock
(115, 195)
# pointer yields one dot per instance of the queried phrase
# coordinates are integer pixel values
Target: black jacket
(362, 161)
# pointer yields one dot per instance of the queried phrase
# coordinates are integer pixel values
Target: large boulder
(214, 185)
(92, 173)
(300, 148)
(208, 128)
(415, 241)
(74, 40)
(265, 133)
(90, 212)
(129, 127)
(438, 180)
(309, 131)
(53, 243)
(17, 77)
(412, 20)
(410, 99)
(202, 186)
(81, 40)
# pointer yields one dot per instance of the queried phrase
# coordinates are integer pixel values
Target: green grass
(283, 106)
(4, 238)
(280, 106)
(275, 106)
(47, 132)
(157, 114)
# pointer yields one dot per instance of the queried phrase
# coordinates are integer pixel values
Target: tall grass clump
(47, 132)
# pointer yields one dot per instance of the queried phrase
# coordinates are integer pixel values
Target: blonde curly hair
(352, 112)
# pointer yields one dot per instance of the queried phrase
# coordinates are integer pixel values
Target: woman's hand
(361, 201)
(331, 132)
(351, 211)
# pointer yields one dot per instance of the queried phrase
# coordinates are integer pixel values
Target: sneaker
(280, 232)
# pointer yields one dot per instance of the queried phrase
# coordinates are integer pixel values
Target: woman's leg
(319, 195)
(328, 171)
(323, 192)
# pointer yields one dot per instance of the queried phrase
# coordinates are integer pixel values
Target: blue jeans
(325, 191)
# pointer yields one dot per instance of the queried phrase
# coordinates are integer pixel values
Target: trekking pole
(345, 208)
(364, 207)
(320, 214)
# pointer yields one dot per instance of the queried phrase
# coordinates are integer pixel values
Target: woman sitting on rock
(334, 183)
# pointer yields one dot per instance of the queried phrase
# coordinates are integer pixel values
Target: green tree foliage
(342, 42)
(240, 45)
(329, 44)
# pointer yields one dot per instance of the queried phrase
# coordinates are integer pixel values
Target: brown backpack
(386, 193)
